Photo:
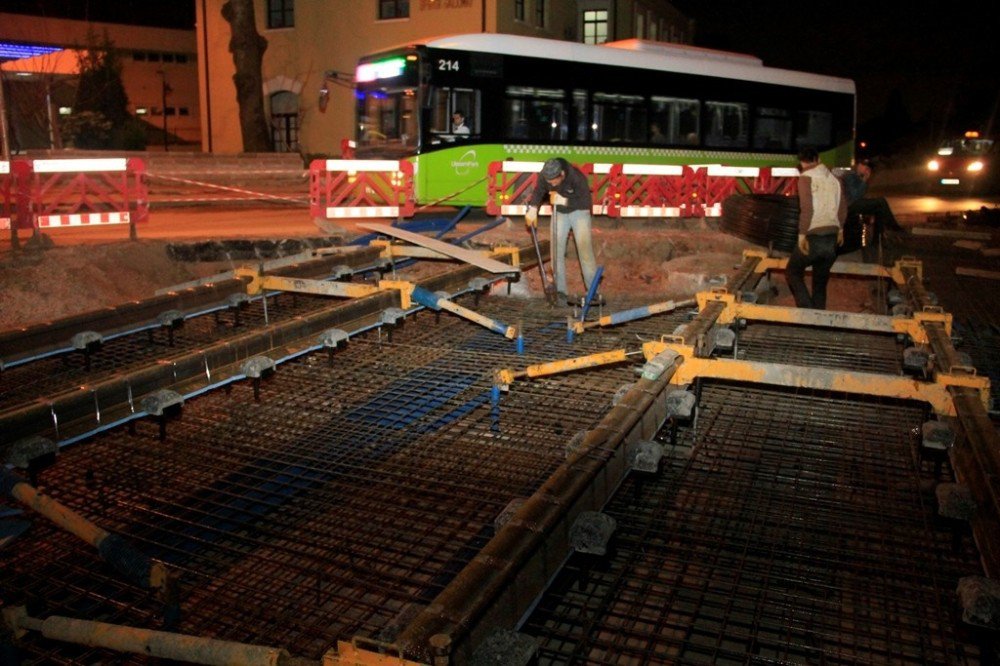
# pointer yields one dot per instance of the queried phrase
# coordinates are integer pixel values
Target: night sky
(938, 59)
(936, 63)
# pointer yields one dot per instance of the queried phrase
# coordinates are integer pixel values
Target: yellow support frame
(937, 393)
(911, 326)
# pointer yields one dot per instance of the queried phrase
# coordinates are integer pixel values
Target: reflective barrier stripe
(6, 195)
(362, 211)
(79, 165)
(81, 220)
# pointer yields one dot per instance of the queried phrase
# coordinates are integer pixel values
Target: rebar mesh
(796, 531)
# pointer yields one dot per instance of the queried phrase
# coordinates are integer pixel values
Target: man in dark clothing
(855, 188)
(569, 193)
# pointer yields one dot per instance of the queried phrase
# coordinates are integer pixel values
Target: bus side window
(772, 129)
(814, 128)
(727, 124)
(677, 120)
(581, 115)
(535, 113)
(619, 118)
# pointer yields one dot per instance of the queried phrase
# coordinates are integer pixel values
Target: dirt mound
(61, 281)
(64, 280)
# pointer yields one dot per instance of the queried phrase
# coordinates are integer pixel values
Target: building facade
(315, 44)
(159, 73)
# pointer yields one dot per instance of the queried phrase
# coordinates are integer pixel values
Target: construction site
(400, 450)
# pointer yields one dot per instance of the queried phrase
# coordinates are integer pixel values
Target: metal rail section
(109, 401)
(384, 504)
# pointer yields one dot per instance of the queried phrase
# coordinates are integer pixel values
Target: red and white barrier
(642, 190)
(361, 189)
(6, 195)
(80, 192)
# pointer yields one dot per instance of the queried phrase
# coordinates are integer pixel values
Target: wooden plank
(976, 272)
(453, 251)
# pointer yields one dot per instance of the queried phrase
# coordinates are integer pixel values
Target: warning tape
(254, 195)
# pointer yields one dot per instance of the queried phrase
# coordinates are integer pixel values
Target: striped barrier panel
(6, 195)
(361, 189)
(56, 193)
(510, 184)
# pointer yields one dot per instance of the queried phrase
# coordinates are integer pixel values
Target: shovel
(547, 287)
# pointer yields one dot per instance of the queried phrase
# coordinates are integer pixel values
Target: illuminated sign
(15, 51)
(383, 69)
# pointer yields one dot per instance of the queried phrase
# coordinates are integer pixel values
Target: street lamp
(165, 90)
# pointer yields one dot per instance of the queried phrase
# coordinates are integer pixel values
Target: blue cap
(552, 168)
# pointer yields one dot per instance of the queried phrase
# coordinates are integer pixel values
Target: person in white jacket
(822, 212)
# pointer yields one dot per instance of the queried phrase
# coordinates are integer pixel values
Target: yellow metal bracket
(398, 250)
(915, 326)
(259, 283)
(404, 288)
(509, 250)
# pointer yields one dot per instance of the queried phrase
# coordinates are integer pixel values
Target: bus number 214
(447, 65)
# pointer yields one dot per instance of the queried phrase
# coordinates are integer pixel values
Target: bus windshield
(387, 122)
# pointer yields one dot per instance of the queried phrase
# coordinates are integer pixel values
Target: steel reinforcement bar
(41, 338)
(116, 399)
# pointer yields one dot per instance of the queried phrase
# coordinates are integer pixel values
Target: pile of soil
(645, 260)
(43, 285)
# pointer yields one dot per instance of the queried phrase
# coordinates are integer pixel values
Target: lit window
(280, 13)
(393, 9)
(139, 111)
(595, 26)
(66, 110)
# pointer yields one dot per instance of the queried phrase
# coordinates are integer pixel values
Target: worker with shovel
(569, 194)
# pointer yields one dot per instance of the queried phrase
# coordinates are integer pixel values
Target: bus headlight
(975, 166)
(933, 165)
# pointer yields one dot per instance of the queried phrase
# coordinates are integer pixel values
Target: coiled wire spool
(772, 220)
(769, 220)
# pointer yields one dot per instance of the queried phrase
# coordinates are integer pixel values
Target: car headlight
(975, 166)
(933, 165)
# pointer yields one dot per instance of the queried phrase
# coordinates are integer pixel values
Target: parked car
(967, 163)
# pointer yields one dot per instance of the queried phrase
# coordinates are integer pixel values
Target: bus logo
(465, 164)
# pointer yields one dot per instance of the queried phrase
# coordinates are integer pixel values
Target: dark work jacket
(574, 187)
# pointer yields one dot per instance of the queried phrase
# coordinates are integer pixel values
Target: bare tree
(247, 47)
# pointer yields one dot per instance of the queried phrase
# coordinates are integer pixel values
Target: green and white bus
(528, 99)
